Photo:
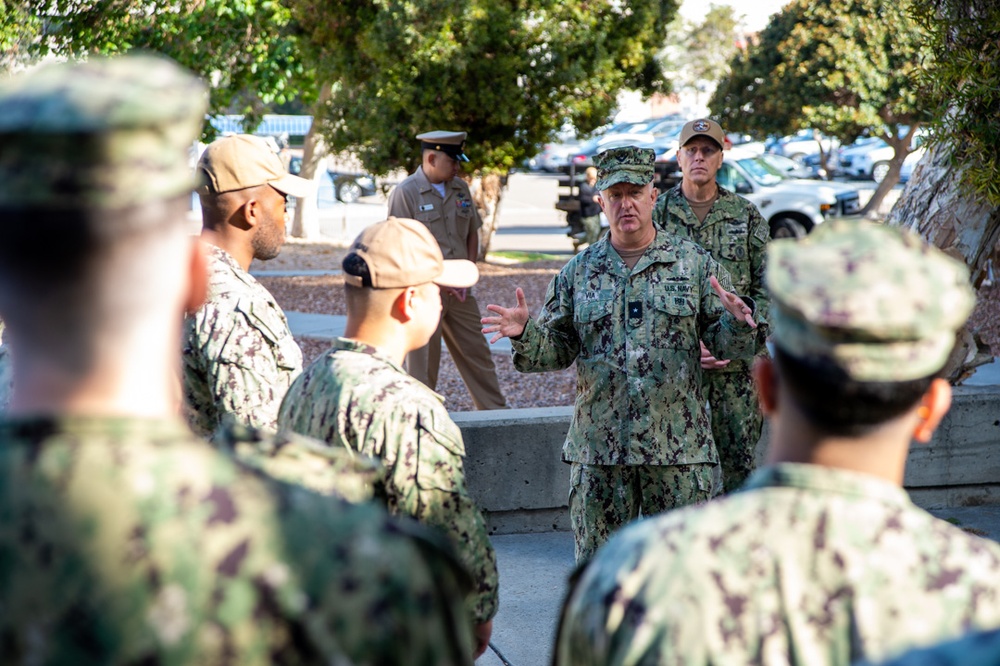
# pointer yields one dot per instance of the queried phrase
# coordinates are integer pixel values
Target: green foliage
(840, 66)
(963, 84)
(19, 31)
(510, 73)
(244, 48)
(699, 53)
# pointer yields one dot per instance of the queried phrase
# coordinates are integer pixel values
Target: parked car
(584, 154)
(910, 163)
(554, 156)
(347, 187)
(788, 166)
(791, 206)
(804, 142)
(869, 159)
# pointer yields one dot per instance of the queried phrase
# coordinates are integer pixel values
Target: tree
(243, 48)
(953, 197)
(697, 55)
(246, 50)
(509, 73)
(843, 67)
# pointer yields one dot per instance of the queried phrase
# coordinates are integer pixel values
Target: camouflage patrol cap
(107, 133)
(624, 165)
(877, 301)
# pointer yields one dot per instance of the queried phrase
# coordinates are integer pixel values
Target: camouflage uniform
(129, 541)
(976, 649)
(126, 540)
(634, 337)
(736, 236)
(354, 398)
(807, 566)
(239, 356)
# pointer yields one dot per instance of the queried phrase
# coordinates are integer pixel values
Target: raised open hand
(508, 322)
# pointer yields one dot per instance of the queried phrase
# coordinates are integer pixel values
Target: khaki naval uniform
(451, 220)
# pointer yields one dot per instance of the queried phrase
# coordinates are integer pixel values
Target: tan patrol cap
(242, 160)
(401, 252)
(449, 143)
(703, 127)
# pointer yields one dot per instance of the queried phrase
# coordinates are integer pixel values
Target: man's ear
(933, 406)
(403, 306)
(766, 380)
(251, 213)
(197, 290)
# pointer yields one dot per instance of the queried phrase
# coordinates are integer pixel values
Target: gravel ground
(497, 283)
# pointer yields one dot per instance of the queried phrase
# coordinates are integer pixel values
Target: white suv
(791, 206)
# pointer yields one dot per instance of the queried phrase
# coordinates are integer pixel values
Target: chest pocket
(435, 221)
(675, 318)
(273, 328)
(594, 325)
(734, 255)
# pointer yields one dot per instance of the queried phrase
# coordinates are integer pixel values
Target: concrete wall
(516, 474)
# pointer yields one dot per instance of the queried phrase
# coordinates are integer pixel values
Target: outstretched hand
(734, 304)
(508, 322)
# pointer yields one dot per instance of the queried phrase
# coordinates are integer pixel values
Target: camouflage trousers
(603, 498)
(736, 422)
(592, 225)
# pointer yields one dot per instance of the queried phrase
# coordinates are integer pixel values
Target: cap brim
(623, 177)
(293, 185)
(458, 273)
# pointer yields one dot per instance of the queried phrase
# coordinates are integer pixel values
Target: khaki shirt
(451, 219)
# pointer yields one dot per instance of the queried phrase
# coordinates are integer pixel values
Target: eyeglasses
(706, 151)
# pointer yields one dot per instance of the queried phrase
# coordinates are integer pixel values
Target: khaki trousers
(463, 333)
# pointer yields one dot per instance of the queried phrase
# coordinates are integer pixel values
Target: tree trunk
(487, 191)
(936, 206)
(306, 221)
(901, 148)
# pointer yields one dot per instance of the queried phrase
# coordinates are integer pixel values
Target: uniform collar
(226, 259)
(346, 344)
(425, 183)
(827, 480)
(662, 250)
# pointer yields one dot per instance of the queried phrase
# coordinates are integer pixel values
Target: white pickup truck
(792, 206)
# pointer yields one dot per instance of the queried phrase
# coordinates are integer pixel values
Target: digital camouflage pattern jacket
(736, 235)
(128, 541)
(239, 356)
(634, 336)
(352, 397)
(805, 565)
